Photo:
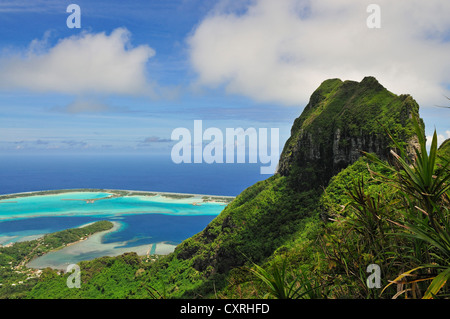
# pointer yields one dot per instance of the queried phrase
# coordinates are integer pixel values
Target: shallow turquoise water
(144, 223)
(71, 204)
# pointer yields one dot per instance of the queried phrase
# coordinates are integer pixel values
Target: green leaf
(437, 283)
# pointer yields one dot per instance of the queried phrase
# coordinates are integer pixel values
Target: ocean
(24, 173)
(142, 223)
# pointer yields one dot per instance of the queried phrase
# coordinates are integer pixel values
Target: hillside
(444, 152)
(290, 218)
(16, 278)
(339, 121)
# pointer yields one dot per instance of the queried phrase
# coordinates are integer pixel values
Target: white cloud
(83, 64)
(440, 138)
(280, 51)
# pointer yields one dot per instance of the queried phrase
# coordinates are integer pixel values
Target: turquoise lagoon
(143, 224)
(74, 203)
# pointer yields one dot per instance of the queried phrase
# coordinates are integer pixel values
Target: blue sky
(136, 70)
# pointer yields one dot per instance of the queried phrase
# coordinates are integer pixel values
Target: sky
(137, 70)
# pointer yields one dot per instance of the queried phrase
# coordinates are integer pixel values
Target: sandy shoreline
(91, 190)
(161, 197)
(94, 248)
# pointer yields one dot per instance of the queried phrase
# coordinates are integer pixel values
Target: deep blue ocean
(24, 173)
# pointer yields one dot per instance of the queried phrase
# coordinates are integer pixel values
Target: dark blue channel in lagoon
(140, 229)
(154, 228)
(40, 225)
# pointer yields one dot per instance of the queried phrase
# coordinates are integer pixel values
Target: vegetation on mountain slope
(16, 278)
(312, 229)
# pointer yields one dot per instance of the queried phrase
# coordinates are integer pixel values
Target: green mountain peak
(341, 119)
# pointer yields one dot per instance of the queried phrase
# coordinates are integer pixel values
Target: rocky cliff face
(341, 120)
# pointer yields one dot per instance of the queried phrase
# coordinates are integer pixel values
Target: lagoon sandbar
(93, 247)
